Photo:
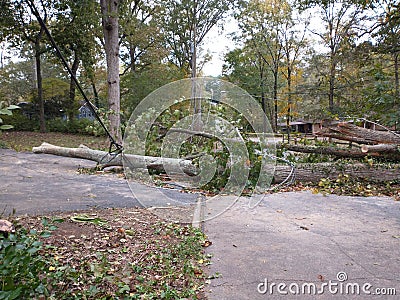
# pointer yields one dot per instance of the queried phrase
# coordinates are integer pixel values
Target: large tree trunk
(109, 13)
(382, 148)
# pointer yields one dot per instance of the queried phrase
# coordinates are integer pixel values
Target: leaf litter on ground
(119, 253)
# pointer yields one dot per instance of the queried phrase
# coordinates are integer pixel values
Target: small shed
(85, 112)
(299, 126)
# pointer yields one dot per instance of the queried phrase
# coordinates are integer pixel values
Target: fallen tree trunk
(315, 172)
(347, 131)
(381, 148)
(389, 152)
(327, 133)
(104, 159)
(326, 150)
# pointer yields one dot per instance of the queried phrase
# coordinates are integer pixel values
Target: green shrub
(20, 122)
(6, 111)
(22, 268)
(65, 126)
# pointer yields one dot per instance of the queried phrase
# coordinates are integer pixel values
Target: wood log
(353, 153)
(347, 153)
(315, 172)
(346, 131)
(325, 132)
(381, 148)
(104, 159)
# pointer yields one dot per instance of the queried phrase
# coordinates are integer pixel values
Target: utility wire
(118, 148)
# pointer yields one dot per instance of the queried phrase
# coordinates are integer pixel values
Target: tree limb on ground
(104, 159)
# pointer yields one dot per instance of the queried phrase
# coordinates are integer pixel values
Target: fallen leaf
(207, 243)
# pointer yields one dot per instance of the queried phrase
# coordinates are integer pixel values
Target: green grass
(25, 140)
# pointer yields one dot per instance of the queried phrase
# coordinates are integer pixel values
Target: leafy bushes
(20, 122)
(21, 265)
(74, 126)
(7, 111)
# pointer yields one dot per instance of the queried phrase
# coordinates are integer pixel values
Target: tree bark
(109, 13)
(38, 52)
(326, 133)
(315, 172)
(72, 86)
(381, 148)
(345, 153)
(347, 131)
(104, 159)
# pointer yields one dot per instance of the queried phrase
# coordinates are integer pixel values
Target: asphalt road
(42, 183)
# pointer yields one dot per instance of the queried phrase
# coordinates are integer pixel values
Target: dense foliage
(344, 62)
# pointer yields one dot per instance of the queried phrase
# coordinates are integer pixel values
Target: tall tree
(27, 30)
(247, 69)
(340, 19)
(294, 43)
(109, 13)
(186, 24)
(75, 35)
(262, 23)
(388, 36)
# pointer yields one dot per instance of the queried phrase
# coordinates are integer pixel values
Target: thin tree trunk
(394, 155)
(275, 97)
(109, 12)
(347, 131)
(42, 120)
(396, 78)
(289, 102)
(332, 77)
(315, 172)
(95, 93)
(72, 86)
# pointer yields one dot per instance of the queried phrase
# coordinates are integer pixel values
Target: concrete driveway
(299, 245)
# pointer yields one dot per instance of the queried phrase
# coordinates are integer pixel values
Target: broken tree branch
(104, 159)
